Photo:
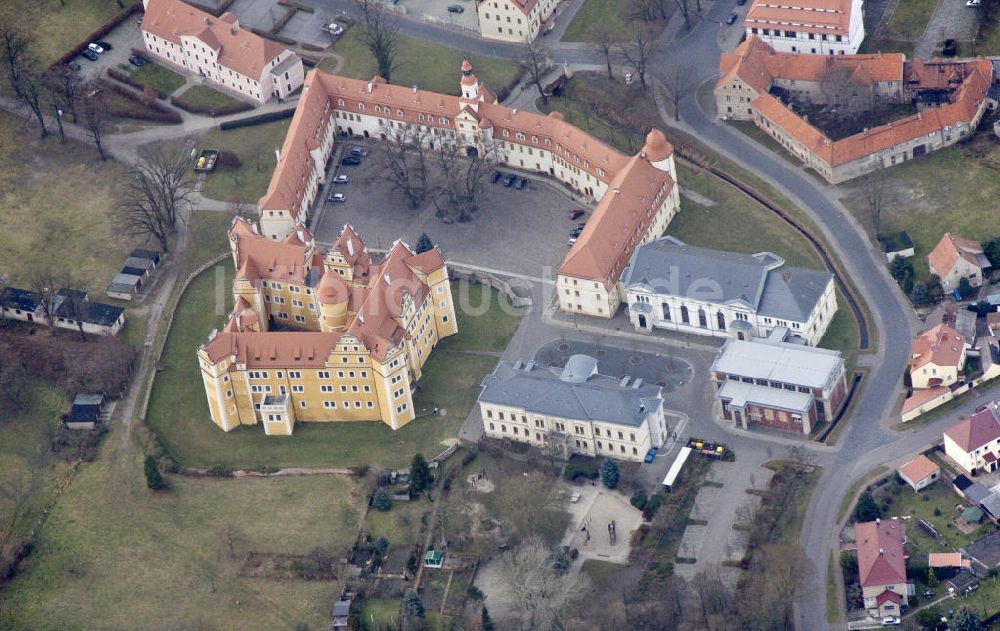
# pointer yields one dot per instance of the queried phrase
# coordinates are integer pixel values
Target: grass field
(57, 202)
(400, 525)
(903, 30)
(178, 412)
(951, 190)
(156, 77)
(255, 148)
(109, 539)
(203, 97)
(939, 496)
(57, 26)
(427, 65)
(487, 331)
(597, 14)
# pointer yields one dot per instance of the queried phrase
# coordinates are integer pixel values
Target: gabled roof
(940, 345)
(949, 250)
(918, 469)
(974, 431)
(239, 49)
(880, 553)
(832, 17)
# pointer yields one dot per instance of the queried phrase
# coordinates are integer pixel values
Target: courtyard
(533, 221)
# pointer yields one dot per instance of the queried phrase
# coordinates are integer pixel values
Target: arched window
(721, 319)
(684, 315)
(666, 311)
(702, 319)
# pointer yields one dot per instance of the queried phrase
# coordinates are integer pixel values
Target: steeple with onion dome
(470, 86)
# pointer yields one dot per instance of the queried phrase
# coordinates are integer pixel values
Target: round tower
(470, 84)
(659, 152)
(332, 295)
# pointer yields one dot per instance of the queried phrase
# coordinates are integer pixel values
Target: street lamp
(59, 115)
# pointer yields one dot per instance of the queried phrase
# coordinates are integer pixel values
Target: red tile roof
(918, 468)
(832, 17)
(888, 595)
(974, 431)
(239, 49)
(949, 249)
(921, 396)
(940, 345)
(880, 553)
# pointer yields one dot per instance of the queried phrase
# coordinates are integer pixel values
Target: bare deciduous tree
(29, 89)
(638, 53)
(65, 85)
(15, 45)
(233, 541)
(95, 116)
(714, 598)
(776, 576)
(404, 162)
(381, 37)
(463, 170)
(154, 197)
(874, 195)
(542, 594)
(45, 281)
(678, 82)
(535, 61)
(604, 41)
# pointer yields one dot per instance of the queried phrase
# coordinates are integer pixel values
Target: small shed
(86, 411)
(124, 286)
(919, 472)
(341, 612)
(434, 559)
(149, 255)
(138, 266)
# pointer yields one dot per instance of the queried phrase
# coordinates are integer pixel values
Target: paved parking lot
(522, 232)
(123, 39)
(437, 11)
(303, 27)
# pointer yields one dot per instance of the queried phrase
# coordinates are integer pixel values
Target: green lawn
(903, 30)
(57, 26)
(156, 77)
(109, 539)
(57, 205)
(940, 496)
(400, 525)
(842, 334)
(487, 331)
(597, 14)
(178, 412)
(203, 97)
(951, 190)
(425, 64)
(255, 148)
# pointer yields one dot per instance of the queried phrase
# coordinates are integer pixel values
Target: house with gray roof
(674, 286)
(573, 409)
(774, 383)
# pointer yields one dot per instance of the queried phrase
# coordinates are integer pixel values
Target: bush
(610, 473)
(220, 471)
(653, 505)
(260, 119)
(154, 479)
(866, 509)
(156, 112)
(211, 110)
(474, 593)
(228, 160)
(381, 501)
(849, 563)
(639, 500)
(577, 470)
(937, 511)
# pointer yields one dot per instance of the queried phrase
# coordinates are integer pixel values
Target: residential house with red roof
(636, 196)
(515, 20)
(816, 27)
(955, 258)
(938, 357)
(882, 566)
(756, 82)
(974, 442)
(319, 337)
(920, 472)
(218, 49)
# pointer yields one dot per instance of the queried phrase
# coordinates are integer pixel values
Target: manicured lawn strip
(842, 334)
(487, 320)
(254, 146)
(178, 412)
(57, 27)
(832, 603)
(202, 96)
(109, 539)
(763, 138)
(427, 65)
(597, 13)
(157, 77)
(57, 203)
(951, 190)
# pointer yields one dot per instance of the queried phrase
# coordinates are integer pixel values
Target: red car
(576, 214)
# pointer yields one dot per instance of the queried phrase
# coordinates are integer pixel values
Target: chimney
(881, 551)
(369, 87)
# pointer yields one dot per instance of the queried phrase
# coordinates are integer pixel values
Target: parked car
(334, 29)
(891, 621)
(571, 241)
(337, 197)
(496, 177)
(456, 8)
(575, 214)
(95, 48)
(103, 44)
(973, 3)
(137, 61)
(89, 54)
(341, 179)
(521, 183)
(581, 225)
(575, 232)
(650, 455)
(509, 180)
(351, 161)
(359, 152)
(733, 17)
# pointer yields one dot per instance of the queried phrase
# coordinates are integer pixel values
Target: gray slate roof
(544, 391)
(669, 266)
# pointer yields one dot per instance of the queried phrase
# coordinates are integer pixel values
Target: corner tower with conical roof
(470, 86)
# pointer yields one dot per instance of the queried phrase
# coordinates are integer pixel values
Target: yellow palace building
(315, 336)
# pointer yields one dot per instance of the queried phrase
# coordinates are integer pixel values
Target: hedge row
(126, 78)
(291, 4)
(280, 24)
(287, 41)
(250, 121)
(218, 110)
(154, 111)
(311, 47)
(106, 28)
